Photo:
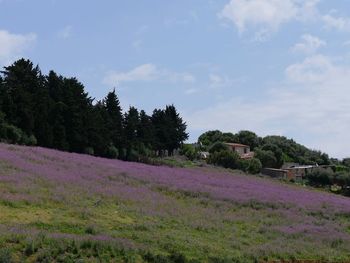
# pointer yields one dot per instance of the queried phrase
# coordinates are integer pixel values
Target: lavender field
(62, 207)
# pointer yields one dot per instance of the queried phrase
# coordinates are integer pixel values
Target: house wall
(275, 173)
(240, 150)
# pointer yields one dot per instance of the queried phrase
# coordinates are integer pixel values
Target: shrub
(227, 159)
(28, 140)
(218, 147)
(243, 165)
(89, 151)
(112, 152)
(254, 166)
(189, 151)
(12, 133)
(5, 256)
(320, 177)
(267, 158)
(132, 155)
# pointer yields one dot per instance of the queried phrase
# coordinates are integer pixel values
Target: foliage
(225, 158)
(210, 137)
(320, 177)
(272, 151)
(267, 158)
(217, 147)
(55, 112)
(112, 152)
(254, 166)
(248, 138)
(346, 162)
(189, 151)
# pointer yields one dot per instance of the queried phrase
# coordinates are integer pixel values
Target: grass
(61, 207)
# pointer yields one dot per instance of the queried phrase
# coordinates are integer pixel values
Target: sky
(271, 66)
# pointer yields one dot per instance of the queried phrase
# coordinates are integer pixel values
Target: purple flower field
(198, 212)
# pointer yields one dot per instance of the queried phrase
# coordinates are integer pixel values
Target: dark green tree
(131, 125)
(145, 130)
(175, 129)
(248, 138)
(21, 82)
(114, 119)
(210, 137)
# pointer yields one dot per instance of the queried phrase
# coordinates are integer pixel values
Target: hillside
(59, 206)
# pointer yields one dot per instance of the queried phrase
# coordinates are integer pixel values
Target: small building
(294, 172)
(243, 150)
(286, 174)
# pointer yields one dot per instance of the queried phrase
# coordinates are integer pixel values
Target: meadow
(65, 207)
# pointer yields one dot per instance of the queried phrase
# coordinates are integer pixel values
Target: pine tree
(114, 119)
(131, 125)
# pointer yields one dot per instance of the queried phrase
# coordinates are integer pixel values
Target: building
(294, 172)
(243, 150)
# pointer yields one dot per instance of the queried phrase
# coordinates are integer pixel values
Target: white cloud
(12, 45)
(309, 44)
(338, 23)
(218, 81)
(147, 72)
(66, 32)
(266, 16)
(313, 106)
(315, 69)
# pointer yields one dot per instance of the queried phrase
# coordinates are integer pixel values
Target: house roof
(236, 144)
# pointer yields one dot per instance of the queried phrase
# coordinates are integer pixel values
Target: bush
(243, 165)
(254, 166)
(132, 155)
(320, 177)
(89, 151)
(227, 159)
(12, 134)
(112, 152)
(5, 256)
(267, 158)
(31, 140)
(218, 147)
(189, 151)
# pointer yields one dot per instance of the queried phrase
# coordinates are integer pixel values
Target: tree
(56, 112)
(210, 137)
(254, 166)
(217, 147)
(346, 162)
(267, 158)
(226, 158)
(114, 119)
(175, 128)
(277, 152)
(145, 130)
(169, 129)
(21, 82)
(248, 138)
(131, 125)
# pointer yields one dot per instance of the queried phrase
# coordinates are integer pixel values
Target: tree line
(272, 151)
(56, 112)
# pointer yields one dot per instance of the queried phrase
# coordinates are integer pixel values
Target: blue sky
(271, 66)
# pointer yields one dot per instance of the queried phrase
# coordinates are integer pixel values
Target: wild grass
(62, 207)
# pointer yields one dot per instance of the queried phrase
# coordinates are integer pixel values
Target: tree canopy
(56, 112)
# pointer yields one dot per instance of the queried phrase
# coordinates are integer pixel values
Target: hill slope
(64, 206)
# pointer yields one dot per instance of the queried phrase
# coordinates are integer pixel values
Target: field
(66, 207)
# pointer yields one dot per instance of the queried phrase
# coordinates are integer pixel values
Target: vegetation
(272, 151)
(55, 112)
(66, 207)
